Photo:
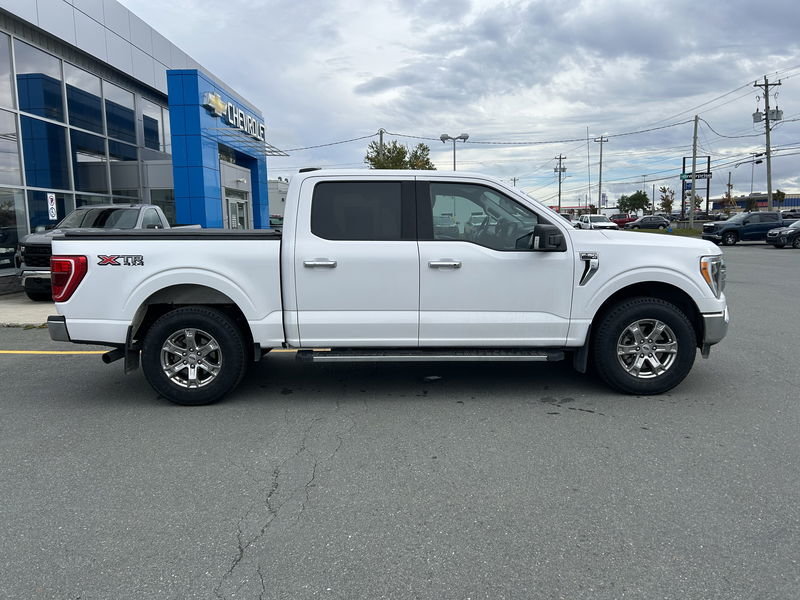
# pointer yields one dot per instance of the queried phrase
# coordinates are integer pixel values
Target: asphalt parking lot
(412, 481)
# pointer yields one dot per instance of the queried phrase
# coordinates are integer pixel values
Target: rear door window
(362, 210)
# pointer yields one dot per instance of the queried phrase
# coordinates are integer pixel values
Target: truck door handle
(445, 264)
(320, 262)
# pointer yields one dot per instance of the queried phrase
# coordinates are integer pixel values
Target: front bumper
(715, 327)
(711, 236)
(57, 327)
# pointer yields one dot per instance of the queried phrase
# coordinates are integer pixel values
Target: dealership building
(97, 107)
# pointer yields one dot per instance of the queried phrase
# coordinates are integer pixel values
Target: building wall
(110, 33)
(198, 133)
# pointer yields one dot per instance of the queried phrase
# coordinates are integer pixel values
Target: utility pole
(694, 169)
(559, 170)
(765, 86)
(381, 131)
(602, 140)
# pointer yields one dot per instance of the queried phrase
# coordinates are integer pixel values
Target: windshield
(795, 225)
(101, 218)
(599, 218)
(739, 217)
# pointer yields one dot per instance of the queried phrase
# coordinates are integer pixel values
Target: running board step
(432, 355)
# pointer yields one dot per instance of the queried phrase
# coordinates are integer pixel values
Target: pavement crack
(263, 583)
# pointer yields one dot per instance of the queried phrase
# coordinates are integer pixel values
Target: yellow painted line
(52, 352)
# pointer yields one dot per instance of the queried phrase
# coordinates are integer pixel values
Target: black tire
(796, 242)
(730, 238)
(614, 333)
(662, 227)
(215, 348)
(39, 296)
(779, 245)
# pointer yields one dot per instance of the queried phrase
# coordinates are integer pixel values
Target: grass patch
(675, 231)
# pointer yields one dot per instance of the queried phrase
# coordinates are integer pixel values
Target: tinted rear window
(357, 210)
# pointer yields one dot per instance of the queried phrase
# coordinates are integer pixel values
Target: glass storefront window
(45, 149)
(167, 132)
(124, 169)
(165, 199)
(38, 82)
(39, 218)
(6, 90)
(10, 172)
(83, 99)
(89, 162)
(120, 113)
(85, 199)
(152, 125)
(12, 227)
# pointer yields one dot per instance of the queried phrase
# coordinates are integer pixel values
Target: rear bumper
(57, 327)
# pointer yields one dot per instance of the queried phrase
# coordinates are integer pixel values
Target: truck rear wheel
(194, 355)
(644, 346)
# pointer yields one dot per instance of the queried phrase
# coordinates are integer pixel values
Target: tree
(420, 158)
(667, 198)
(634, 203)
(778, 197)
(397, 156)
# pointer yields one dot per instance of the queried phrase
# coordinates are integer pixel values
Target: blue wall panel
(196, 136)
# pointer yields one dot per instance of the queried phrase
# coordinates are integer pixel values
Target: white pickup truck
(392, 266)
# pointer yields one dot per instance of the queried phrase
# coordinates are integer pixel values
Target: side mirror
(544, 238)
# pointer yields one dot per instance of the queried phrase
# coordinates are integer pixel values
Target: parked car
(622, 219)
(445, 226)
(785, 236)
(595, 222)
(8, 246)
(744, 227)
(648, 222)
(793, 213)
(276, 222)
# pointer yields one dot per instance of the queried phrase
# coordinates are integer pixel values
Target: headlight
(712, 268)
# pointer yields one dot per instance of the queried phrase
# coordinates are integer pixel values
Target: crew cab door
(757, 225)
(356, 263)
(478, 287)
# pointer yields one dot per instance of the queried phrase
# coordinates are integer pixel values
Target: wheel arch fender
(667, 284)
(183, 287)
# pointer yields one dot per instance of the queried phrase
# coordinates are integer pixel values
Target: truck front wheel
(644, 346)
(194, 355)
(729, 239)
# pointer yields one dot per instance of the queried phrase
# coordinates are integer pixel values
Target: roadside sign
(696, 175)
(52, 210)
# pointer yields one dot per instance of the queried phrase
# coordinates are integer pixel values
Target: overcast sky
(324, 71)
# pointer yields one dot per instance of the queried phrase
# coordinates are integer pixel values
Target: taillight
(66, 273)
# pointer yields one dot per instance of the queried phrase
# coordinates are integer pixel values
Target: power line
(363, 137)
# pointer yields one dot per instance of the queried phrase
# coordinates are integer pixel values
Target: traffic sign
(696, 175)
(52, 210)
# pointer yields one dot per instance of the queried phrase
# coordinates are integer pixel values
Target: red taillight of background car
(66, 273)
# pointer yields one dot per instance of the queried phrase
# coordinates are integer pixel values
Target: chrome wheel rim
(191, 358)
(647, 348)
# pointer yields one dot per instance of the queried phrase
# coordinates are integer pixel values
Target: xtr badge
(121, 260)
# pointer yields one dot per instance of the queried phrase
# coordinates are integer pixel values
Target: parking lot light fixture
(463, 137)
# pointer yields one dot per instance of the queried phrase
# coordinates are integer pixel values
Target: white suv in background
(595, 222)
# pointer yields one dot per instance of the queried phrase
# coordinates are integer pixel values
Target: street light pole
(602, 140)
(463, 137)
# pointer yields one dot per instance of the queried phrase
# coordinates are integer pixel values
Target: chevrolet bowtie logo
(215, 103)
